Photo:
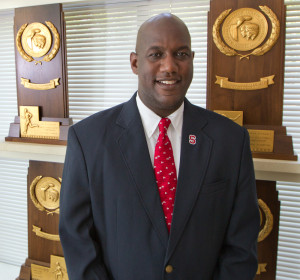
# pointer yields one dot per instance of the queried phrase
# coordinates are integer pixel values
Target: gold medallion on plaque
(45, 193)
(244, 30)
(35, 40)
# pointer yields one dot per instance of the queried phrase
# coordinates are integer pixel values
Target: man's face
(164, 65)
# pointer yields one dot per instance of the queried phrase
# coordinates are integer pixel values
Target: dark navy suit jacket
(112, 224)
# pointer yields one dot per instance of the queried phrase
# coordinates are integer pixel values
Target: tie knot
(164, 124)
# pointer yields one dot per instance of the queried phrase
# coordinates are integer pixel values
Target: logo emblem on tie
(192, 139)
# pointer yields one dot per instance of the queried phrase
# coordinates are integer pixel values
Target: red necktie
(165, 170)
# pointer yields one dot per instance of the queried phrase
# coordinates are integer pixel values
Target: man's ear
(134, 63)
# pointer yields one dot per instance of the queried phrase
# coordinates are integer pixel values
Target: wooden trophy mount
(44, 181)
(269, 208)
(41, 77)
(246, 47)
(245, 77)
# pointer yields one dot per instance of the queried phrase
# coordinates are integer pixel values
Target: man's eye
(182, 54)
(155, 55)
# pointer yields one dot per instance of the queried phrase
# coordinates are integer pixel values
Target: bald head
(163, 62)
(164, 20)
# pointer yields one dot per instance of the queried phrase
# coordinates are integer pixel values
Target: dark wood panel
(52, 102)
(262, 106)
(40, 249)
(267, 249)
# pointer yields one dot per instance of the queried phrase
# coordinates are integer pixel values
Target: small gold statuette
(52, 84)
(244, 30)
(35, 40)
(261, 140)
(56, 271)
(261, 268)
(32, 127)
(236, 116)
(45, 194)
(263, 83)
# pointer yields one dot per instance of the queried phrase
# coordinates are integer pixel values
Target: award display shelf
(265, 169)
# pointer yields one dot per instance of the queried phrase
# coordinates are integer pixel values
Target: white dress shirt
(150, 122)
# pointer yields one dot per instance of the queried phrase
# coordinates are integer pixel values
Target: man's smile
(167, 83)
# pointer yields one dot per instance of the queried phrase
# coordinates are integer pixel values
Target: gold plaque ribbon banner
(38, 231)
(52, 84)
(263, 83)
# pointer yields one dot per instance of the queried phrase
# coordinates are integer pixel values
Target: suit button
(169, 268)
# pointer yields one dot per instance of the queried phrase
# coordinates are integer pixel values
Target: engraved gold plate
(236, 116)
(39, 272)
(263, 83)
(36, 39)
(245, 29)
(261, 140)
(45, 194)
(31, 127)
(56, 271)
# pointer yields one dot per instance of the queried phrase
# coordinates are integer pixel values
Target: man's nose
(169, 64)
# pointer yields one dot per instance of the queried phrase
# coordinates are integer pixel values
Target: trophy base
(283, 143)
(25, 270)
(15, 135)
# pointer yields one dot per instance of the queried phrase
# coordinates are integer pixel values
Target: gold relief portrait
(36, 39)
(245, 29)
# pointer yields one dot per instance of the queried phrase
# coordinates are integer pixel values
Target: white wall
(22, 3)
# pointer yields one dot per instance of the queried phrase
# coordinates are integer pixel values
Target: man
(121, 220)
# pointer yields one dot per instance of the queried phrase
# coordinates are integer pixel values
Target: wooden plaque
(53, 102)
(260, 106)
(245, 69)
(41, 76)
(43, 214)
(245, 72)
(269, 207)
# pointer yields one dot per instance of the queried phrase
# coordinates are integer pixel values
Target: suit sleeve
(238, 259)
(76, 227)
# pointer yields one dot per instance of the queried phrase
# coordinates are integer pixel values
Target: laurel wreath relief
(34, 199)
(46, 58)
(258, 51)
(264, 233)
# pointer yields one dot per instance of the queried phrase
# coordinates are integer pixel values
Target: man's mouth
(168, 82)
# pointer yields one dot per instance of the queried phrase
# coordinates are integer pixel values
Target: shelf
(265, 169)
(277, 170)
(29, 151)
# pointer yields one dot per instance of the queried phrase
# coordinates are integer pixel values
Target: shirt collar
(150, 120)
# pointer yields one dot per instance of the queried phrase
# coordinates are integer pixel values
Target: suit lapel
(193, 164)
(133, 146)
